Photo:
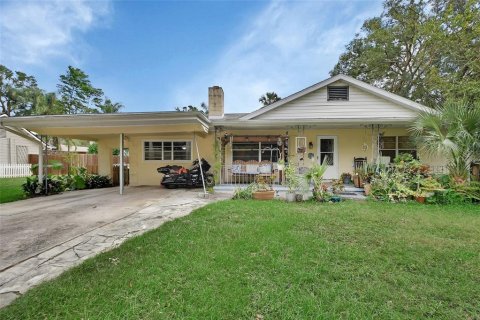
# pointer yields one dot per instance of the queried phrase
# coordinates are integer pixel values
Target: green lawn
(11, 189)
(239, 259)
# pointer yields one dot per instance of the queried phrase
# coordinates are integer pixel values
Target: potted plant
(420, 196)
(315, 176)
(262, 190)
(369, 173)
(337, 186)
(292, 181)
(346, 178)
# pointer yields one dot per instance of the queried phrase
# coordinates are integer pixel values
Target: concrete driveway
(42, 237)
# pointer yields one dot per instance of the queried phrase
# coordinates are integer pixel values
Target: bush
(245, 193)
(95, 181)
(447, 197)
(52, 185)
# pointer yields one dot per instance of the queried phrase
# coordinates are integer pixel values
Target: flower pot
(298, 197)
(264, 195)
(357, 181)
(367, 188)
(420, 199)
(347, 180)
(290, 196)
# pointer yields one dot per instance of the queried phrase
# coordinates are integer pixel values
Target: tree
(426, 51)
(17, 91)
(203, 109)
(108, 106)
(453, 131)
(269, 98)
(77, 93)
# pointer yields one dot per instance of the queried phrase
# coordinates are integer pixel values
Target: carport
(113, 130)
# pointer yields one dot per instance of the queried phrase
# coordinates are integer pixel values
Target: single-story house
(16, 145)
(340, 120)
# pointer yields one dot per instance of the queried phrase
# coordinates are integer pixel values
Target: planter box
(290, 197)
(264, 195)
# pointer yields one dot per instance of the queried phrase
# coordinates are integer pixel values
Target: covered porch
(346, 147)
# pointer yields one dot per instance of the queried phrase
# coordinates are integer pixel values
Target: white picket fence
(14, 170)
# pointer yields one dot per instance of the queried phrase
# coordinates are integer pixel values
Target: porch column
(121, 169)
(40, 160)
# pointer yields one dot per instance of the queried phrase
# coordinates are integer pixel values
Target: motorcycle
(177, 176)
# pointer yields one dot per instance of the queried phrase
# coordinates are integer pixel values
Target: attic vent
(337, 93)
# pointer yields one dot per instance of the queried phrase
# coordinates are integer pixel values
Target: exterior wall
(360, 105)
(349, 143)
(8, 147)
(144, 172)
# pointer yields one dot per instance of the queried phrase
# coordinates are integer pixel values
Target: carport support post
(40, 160)
(121, 169)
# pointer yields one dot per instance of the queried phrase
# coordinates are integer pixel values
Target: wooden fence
(88, 161)
(15, 170)
(116, 175)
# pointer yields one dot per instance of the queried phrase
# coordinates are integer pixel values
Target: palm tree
(452, 130)
(109, 107)
(269, 98)
(203, 109)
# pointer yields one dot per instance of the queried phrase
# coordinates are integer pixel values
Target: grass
(242, 259)
(11, 189)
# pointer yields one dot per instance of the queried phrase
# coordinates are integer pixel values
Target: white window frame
(259, 149)
(163, 157)
(397, 150)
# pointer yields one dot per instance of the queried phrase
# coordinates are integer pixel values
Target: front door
(327, 149)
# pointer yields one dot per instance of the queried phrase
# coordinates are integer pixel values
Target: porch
(249, 155)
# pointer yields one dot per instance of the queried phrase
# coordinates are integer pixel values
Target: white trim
(163, 158)
(357, 83)
(106, 120)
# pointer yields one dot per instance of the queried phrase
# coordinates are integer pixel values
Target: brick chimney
(215, 102)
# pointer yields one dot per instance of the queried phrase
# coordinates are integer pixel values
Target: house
(340, 120)
(16, 145)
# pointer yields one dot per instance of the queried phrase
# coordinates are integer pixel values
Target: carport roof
(112, 123)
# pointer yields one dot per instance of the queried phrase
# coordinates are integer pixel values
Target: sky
(158, 55)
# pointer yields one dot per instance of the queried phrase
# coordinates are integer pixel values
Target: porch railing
(238, 175)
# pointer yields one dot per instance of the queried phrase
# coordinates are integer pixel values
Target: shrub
(447, 197)
(244, 193)
(52, 185)
(95, 181)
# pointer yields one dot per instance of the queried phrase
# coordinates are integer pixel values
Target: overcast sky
(157, 55)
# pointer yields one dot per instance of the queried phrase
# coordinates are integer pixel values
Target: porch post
(121, 169)
(200, 163)
(40, 160)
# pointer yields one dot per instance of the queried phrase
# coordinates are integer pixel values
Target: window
(22, 154)
(395, 145)
(337, 93)
(258, 151)
(167, 150)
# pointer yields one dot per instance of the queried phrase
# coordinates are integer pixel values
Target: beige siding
(144, 172)
(360, 105)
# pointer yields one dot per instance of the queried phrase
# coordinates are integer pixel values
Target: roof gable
(394, 103)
